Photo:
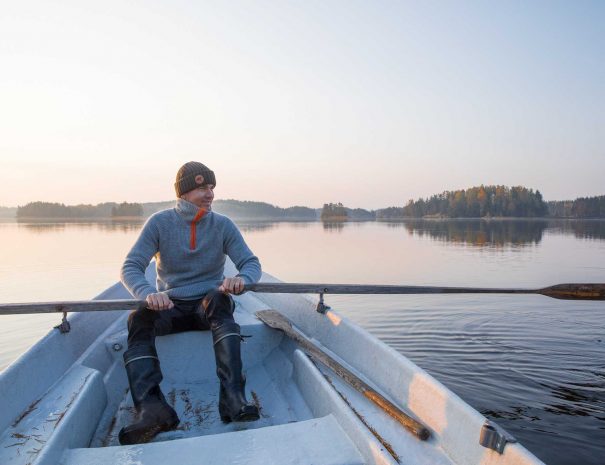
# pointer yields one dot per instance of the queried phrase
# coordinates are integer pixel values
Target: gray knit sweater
(189, 245)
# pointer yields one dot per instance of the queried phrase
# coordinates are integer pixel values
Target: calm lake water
(533, 364)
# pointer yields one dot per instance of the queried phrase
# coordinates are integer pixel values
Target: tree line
(476, 202)
(8, 212)
(59, 210)
(249, 209)
(583, 207)
(234, 208)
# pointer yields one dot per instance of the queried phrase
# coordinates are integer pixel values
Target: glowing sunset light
(369, 104)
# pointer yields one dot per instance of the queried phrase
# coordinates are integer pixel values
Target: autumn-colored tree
(475, 202)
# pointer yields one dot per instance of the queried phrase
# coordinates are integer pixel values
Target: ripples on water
(538, 369)
(533, 364)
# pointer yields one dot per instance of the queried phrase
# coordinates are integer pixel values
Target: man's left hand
(232, 285)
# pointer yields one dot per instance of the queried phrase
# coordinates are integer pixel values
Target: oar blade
(588, 291)
(274, 319)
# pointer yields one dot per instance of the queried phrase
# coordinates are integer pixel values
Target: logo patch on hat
(199, 179)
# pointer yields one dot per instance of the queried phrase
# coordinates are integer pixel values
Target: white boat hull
(65, 400)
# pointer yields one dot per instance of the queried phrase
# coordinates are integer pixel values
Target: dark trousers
(186, 315)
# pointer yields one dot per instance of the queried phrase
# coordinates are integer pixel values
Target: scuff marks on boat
(71, 401)
(16, 444)
(27, 411)
(109, 437)
(384, 442)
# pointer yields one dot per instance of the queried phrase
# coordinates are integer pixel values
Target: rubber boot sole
(250, 413)
(143, 436)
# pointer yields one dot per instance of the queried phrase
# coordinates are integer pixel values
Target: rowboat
(65, 400)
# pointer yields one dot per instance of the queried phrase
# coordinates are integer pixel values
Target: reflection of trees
(121, 225)
(501, 232)
(42, 227)
(583, 229)
(45, 226)
(480, 233)
(333, 227)
(251, 226)
(300, 224)
(256, 226)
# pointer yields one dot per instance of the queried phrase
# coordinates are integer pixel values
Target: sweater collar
(187, 210)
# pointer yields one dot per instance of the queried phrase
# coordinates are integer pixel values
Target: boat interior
(67, 398)
(301, 413)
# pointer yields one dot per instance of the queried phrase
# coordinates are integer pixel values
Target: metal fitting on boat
(321, 306)
(494, 437)
(64, 326)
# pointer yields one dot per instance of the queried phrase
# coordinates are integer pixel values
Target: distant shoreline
(487, 203)
(142, 219)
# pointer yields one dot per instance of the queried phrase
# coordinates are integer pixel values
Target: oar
(559, 291)
(588, 291)
(72, 306)
(276, 320)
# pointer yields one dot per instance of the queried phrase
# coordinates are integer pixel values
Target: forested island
(476, 202)
(495, 202)
(338, 212)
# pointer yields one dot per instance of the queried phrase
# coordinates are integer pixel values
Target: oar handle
(72, 306)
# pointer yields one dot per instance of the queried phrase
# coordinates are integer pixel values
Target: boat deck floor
(191, 386)
(319, 441)
(196, 403)
(288, 431)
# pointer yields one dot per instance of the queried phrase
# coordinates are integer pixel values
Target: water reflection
(533, 364)
(575, 400)
(499, 233)
(333, 226)
(476, 232)
(480, 233)
(42, 227)
(582, 229)
(256, 227)
(100, 225)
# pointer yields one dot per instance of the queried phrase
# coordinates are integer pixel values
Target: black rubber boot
(232, 405)
(154, 415)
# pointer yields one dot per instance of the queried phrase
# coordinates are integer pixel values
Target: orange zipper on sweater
(198, 217)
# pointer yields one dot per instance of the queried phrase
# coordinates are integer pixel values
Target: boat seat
(319, 441)
(65, 416)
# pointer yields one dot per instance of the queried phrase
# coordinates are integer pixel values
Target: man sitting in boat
(189, 243)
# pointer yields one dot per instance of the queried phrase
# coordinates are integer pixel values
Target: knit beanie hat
(191, 176)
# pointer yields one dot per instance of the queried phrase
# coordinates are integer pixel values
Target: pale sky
(369, 103)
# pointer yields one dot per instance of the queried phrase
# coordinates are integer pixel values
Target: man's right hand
(159, 301)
